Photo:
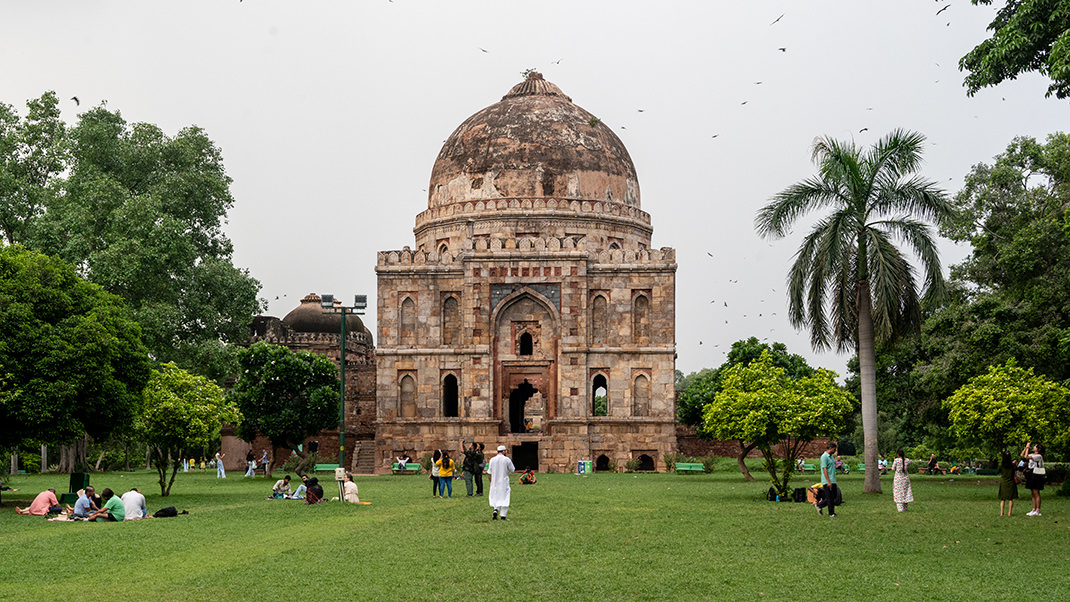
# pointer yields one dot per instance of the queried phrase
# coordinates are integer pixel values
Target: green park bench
(861, 468)
(409, 468)
(809, 468)
(325, 468)
(986, 471)
(682, 467)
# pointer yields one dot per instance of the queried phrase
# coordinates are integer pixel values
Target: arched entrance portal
(518, 398)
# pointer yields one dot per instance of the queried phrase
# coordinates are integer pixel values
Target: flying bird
(714, 136)
(946, 6)
(744, 102)
(483, 49)
(710, 254)
(76, 101)
(782, 49)
(777, 19)
(641, 110)
(863, 130)
(557, 62)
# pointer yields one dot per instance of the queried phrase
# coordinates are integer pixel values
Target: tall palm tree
(850, 284)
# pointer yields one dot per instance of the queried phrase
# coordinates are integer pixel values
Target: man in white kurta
(498, 470)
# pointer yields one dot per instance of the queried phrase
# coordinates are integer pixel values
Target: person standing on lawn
(828, 479)
(1008, 487)
(219, 472)
(498, 470)
(901, 492)
(1035, 475)
(250, 462)
(468, 466)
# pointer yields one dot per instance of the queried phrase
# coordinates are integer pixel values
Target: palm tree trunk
(867, 361)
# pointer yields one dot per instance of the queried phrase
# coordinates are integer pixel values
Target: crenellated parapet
(528, 244)
(600, 209)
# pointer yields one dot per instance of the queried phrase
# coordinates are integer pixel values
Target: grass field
(597, 537)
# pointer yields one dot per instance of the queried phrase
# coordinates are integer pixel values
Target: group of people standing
(474, 465)
(1029, 471)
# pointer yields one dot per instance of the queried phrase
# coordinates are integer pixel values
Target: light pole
(327, 304)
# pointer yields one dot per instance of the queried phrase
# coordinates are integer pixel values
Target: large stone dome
(533, 144)
(309, 317)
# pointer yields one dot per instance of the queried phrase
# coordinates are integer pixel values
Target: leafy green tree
(71, 361)
(33, 153)
(1007, 406)
(182, 412)
(286, 396)
(760, 404)
(142, 215)
(850, 284)
(1027, 35)
(704, 385)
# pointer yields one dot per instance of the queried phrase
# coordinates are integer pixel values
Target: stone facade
(530, 293)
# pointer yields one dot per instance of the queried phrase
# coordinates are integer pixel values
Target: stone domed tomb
(532, 311)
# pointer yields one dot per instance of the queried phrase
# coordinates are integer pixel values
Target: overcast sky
(330, 115)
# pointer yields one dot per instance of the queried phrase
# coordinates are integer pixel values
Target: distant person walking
(250, 461)
(1008, 488)
(498, 470)
(445, 467)
(468, 466)
(1035, 475)
(901, 491)
(219, 472)
(481, 465)
(435, 463)
(828, 479)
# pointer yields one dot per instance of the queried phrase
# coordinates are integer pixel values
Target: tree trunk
(96, 467)
(73, 457)
(867, 361)
(744, 450)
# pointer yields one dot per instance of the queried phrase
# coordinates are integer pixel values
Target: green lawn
(598, 537)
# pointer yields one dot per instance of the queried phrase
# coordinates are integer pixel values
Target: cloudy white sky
(330, 115)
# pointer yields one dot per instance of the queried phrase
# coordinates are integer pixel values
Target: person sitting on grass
(85, 505)
(314, 492)
(351, 490)
(113, 510)
(44, 503)
(134, 506)
(281, 488)
(528, 478)
(300, 493)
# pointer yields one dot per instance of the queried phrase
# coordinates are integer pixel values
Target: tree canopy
(71, 361)
(33, 153)
(181, 412)
(1009, 405)
(701, 387)
(759, 403)
(284, 395)
(1027, 35)
(138, 212)
(850, 285)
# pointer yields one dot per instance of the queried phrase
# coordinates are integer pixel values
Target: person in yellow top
(445, 473)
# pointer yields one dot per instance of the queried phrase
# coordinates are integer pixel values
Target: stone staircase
(364, 457)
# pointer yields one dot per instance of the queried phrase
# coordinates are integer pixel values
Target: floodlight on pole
(328, 305)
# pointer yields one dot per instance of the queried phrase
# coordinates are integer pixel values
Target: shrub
(671, 459)
(1056, 472)
(631, 465)
(709, 463)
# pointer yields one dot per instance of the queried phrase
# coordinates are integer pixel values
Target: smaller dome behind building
(310, 317)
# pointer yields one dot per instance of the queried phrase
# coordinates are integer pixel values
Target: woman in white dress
(901, 492)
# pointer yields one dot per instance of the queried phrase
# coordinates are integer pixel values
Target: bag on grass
(771, 495)
(166, 512)
(799, 495)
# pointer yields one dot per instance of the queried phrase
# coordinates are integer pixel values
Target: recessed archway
(518, 397)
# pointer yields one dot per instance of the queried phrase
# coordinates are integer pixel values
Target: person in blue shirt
(828, 479)
(84, 506)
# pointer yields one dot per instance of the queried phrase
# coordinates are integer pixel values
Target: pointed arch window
(407, 322)
(451, 322)
(641, 396)
(407, 396)
(599, 396)
(641, 320)
(449, 396)
(598, 320)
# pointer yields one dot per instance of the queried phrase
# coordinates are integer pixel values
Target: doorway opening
(526, 455)
(517, 400)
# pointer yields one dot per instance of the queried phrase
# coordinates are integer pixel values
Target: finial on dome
(535, 85)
